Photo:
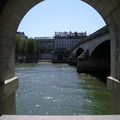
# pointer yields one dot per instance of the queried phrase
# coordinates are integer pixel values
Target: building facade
(45, 47)
(44, 44)
(64, 43)
(68, 40)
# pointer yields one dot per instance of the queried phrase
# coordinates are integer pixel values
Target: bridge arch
(12, 12)
(102, 51)
(79, 52)
(60, 57)
(94, 40)
(17, 9)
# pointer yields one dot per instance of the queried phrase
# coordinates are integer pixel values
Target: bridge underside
(98, 62)
(12, 12)
(72, 60)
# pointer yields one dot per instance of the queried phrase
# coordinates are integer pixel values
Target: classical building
(68, 40)
(65, 42)
(45, 46)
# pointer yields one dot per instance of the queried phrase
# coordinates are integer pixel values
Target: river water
(57, 89)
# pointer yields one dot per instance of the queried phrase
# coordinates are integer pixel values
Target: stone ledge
(87, 117)
(10, 80)
(113, 79)
(8, 87)
(113, 85)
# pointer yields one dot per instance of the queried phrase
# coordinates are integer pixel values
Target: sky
(60, 15)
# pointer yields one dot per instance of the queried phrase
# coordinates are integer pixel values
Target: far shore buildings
(64, 43)
(45, 46)
(68, 40)
(61, 40)
(57, 47)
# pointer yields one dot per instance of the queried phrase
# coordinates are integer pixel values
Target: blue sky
(60, 15)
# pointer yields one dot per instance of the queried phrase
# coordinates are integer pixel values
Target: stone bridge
(92, 42)
(96, 46)
(11, 14)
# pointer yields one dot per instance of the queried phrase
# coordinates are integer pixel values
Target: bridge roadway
(87, 117)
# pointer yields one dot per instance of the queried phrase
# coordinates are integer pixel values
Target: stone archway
(12, 12)
(101, 55)
(102, 50)
(79, 52)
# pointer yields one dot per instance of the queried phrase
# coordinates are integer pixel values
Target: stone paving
(88, 117)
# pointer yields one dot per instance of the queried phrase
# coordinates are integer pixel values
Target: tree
(26, 48)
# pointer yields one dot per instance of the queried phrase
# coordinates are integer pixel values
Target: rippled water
(57, 89)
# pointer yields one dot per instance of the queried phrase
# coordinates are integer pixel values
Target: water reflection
(57, 89)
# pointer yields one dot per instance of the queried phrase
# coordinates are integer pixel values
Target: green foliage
(18, 42)
(30, 47)
(25, 46)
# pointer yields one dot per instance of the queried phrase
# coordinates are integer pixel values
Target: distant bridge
(93, 54)
(92, 42)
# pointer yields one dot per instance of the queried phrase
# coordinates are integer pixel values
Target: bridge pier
(93, 65)
(7, 96)
(8, 83)
(72, 60)
(114, 87)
